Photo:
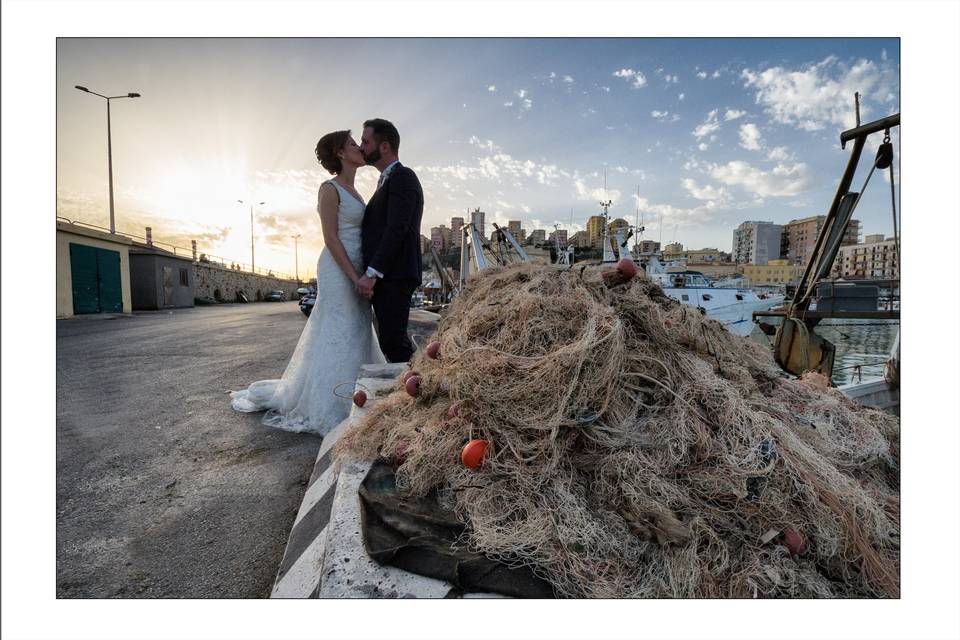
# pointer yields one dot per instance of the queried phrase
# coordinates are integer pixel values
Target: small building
(775, 272)
(160, 279)
(93, 271)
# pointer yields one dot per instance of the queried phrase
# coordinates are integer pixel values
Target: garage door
(96, 280)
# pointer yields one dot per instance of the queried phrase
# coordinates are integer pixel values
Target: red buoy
(433, 350)
(473, 453)
(360, 398)
(453, 411)
(412, 385)
(400, 453)
(406, 375)
(627, 268)
(794, 541)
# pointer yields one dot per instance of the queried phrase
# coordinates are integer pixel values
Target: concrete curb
(325, 557)
(300, 570)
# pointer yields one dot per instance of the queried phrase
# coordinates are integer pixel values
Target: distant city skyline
(713, 132)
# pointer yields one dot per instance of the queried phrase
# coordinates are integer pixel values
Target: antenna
(639, 227)
(856, 101)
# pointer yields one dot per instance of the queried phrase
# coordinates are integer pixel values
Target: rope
(893, 205)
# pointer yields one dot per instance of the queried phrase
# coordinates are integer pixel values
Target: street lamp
(113, 228)
(296, 256)
(251, 232)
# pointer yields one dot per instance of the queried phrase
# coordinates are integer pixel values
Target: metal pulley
(885, 153)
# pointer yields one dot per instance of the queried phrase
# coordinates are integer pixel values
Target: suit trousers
(391, 306)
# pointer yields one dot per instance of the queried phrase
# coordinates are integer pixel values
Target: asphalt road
(162, 489)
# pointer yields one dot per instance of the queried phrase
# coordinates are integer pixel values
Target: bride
(338, 336)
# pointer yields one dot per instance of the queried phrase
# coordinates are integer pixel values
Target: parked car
(307, 302)
(275, 296)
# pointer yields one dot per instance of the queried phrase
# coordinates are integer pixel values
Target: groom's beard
(373, 158)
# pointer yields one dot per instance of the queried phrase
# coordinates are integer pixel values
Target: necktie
(383, 177)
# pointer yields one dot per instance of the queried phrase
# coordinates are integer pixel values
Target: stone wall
(213, 282)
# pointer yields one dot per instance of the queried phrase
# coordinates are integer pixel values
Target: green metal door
(96, 280)
(108, 270)
(83, 270)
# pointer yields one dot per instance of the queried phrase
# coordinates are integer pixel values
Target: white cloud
(703, 146)
(636, 77)
(520, 93)
(605, 89)
(492, 88)
(584, 192)
(708, 126)
(705, 192)
(671, 79)
(716, 74)
(702, 75)
(750, 137)
(664, 116)
(782, 180)
(779, 154)
(681, 96)
(508, 104)
(489, 145)
(568, 79)
(733, 114)
(820, 94)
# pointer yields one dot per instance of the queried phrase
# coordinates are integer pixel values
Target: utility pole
(252, 267)
(296, 256)
(113, 226)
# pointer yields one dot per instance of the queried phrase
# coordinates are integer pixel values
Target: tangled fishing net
(639, 449)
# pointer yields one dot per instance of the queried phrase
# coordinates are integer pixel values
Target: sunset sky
(712, 131)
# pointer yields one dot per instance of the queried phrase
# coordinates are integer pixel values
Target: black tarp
(418, 535)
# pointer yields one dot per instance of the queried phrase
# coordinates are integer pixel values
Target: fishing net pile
(639, 449)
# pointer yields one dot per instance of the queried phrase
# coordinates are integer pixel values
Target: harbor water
(863, 346)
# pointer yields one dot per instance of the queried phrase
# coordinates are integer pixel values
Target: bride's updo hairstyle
(327, 150)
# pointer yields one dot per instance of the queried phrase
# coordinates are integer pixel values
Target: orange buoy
(412, 385)
(473, 453)
(627, 268)
(360, 398)
(433, 350)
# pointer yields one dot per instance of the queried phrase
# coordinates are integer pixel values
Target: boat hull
(733, 308)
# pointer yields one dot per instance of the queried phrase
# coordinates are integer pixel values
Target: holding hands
(364, 286)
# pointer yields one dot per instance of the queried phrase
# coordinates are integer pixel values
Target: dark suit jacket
(390, 233)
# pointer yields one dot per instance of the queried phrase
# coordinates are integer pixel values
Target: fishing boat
(733, 307)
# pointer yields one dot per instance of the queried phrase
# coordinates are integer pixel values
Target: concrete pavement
(162, 489)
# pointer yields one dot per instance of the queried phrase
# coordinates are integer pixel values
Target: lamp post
(296, 256)
(113, 228)
(252, 268)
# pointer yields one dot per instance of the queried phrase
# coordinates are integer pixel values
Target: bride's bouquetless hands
(364, 287)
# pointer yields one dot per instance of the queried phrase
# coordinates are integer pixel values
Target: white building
(756, 242)
(875, 258)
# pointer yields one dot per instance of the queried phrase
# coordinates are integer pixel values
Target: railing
(202, 257)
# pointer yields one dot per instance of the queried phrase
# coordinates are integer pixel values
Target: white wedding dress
(336, 340)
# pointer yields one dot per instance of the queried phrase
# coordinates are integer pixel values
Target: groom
(390, 238)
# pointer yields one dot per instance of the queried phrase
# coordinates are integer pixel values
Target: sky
(709, 132)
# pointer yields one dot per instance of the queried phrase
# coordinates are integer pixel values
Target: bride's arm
(329, 203)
